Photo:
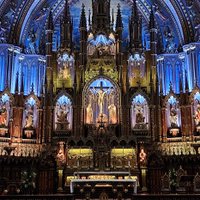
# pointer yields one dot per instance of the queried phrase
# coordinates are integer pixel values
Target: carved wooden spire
(119, 24)
(83, 23)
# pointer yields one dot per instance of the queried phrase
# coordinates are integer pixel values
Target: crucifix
(102, 90)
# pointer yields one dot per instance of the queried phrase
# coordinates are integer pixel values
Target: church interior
(99, 98)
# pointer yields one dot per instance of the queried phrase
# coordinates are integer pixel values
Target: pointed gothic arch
(139, 111)
(101, 100)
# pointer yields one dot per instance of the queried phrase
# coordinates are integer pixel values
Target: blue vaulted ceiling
(23, 22)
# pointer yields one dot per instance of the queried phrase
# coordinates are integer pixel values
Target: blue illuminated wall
(29, 67)
(180, 67)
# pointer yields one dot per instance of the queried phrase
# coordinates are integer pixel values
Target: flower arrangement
(28, 179)
(172, 179)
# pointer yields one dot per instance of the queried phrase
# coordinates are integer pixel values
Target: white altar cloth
(76, 181)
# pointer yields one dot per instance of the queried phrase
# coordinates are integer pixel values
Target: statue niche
(4, 114)
(66, 68)
(63, 114)
(173, 117)
(30, 117)
(101, 103)
(139, 113)
(196, 115)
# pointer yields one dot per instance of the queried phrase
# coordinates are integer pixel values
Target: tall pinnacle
(67, 17)
(152, 23)
(50, 21)
(135, 15)
(135, 29)
(101, 16)
(83, 18)
(119, 23)
(66, 28)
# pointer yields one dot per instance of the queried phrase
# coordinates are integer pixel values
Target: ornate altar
(92, 180)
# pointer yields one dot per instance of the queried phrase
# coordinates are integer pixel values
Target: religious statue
(61, 154)
(173, 117)
(197, 115)
(170, 46)
(89, 114)
(32, 48)
(3, 116)
(64, 72)
(112, 114)
(29, 118)
(139, 117)
(142, 156)
(101, 95)
(2, 32)
(62, 118)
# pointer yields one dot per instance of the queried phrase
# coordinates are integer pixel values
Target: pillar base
(60, 190)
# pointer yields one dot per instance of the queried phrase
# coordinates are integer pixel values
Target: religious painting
(4, 114)
(173, 116)
(196, 113)
(139, 113)
(63, 114)
(66, 67)
(101, 102)
(30, 116)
